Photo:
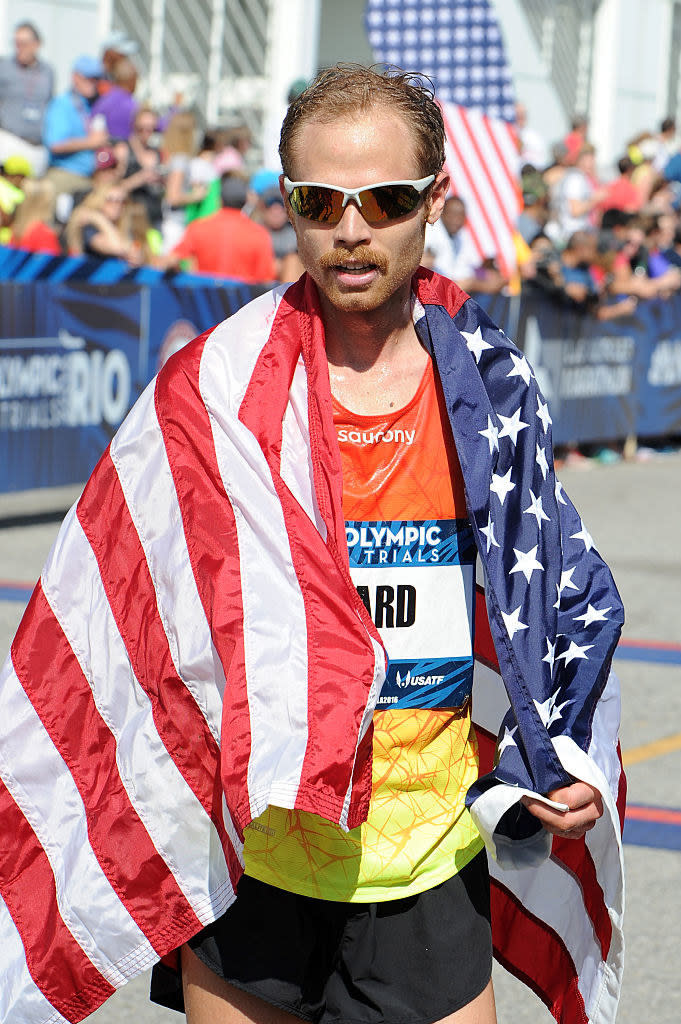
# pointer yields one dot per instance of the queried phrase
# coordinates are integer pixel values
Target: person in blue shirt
(68, 134)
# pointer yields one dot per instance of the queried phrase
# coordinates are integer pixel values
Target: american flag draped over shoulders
(195, 651)
(458, 45)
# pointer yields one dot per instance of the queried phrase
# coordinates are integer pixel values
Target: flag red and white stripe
(481, 158)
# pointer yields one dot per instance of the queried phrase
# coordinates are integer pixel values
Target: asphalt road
(632, 511)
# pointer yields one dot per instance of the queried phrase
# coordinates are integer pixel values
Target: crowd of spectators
(594, 244)
(94, 171)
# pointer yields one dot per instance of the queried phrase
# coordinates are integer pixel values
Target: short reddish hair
(351, 89)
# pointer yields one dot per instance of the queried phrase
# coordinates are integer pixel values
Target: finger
(579, 794)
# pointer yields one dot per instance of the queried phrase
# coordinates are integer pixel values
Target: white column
(292, 48)
(217, 30)
(104, 18)
(606, 39)
(156, 49)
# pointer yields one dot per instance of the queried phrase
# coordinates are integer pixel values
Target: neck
(360, 340)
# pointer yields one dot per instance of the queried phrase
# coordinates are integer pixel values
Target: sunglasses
(386, 200)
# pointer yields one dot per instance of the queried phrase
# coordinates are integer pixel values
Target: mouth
(355, 273)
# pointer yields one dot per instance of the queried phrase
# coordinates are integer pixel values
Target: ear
(438, 195)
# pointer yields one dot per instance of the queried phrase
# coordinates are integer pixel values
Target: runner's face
(357, 266)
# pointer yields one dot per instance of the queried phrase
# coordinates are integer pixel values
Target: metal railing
(213, 52)
(564, 32)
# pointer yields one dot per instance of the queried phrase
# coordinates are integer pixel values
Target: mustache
(342, 257)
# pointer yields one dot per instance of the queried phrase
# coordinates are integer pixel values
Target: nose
(352, 229)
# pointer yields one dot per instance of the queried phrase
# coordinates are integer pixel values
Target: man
(575, 200)
(68, 134)
(228, 243)
(26, 86)
(453, 254)
(368, 420)
(270, 211)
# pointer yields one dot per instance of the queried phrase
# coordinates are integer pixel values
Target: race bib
(416, 579)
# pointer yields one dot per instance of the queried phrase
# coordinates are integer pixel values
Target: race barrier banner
(76, 353)
(79, 341)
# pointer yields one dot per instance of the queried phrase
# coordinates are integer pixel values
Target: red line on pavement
(662, 815)
(659, 645)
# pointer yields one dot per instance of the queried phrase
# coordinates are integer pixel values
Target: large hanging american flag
(195, 650)
(458, 45)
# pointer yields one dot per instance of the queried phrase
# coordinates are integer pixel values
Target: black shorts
(406, 961)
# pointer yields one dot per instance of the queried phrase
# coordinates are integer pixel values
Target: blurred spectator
(26, 87)
(107, 172)
(141, 166)
(534, 214)
(629, 273)
(17, 170)
(271, 213)
(33, 226)
(576, 259)
(99, 227)
(178, 147)
(228, 243)
(673, 253)
(116, 46)
(558, 168)
(666, 144)
(145, 238)
(612, 305)
(531, 146)
(574, 200)
(118, 105)
(576, 139)
(202, 171)
(621, 193)
(641, 151)
(68, 135)
(10, 198)
(548, 277)
(659, 236)
(237, 141)
(450, 251)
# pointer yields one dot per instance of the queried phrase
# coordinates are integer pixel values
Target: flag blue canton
(455, 43)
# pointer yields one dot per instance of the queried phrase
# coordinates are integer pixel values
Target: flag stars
(565, 583)
(583, 535)
(507, 740)
(476, 343)
(492, 434)
(526, 562)
(575, 652)
(489, 533)
(502, 485)
(536, 509)
(550, 655)
(511, 426)
(521, 368)
(540, 459)
(549, 710)
(592, 615)
(559, 493)
(543, 413)
(512, 622)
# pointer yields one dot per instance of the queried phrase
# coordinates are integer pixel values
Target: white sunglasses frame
(420, 184)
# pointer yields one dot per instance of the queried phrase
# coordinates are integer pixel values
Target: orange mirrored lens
(325, 205)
